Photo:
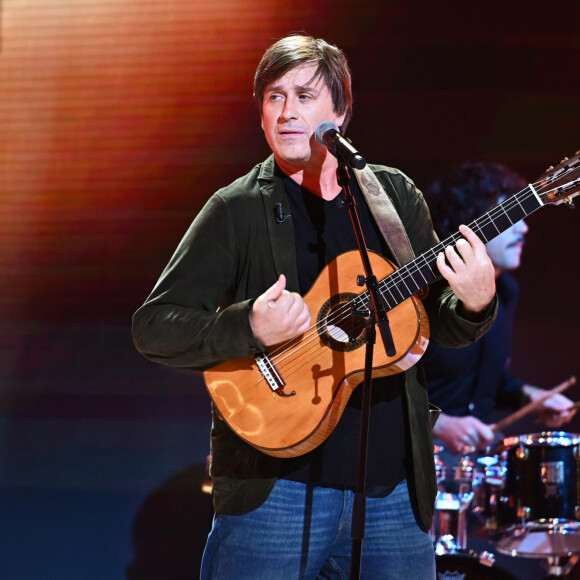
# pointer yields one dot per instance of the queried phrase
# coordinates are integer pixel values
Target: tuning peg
(549, 169)
(570, 204)
(563, 161)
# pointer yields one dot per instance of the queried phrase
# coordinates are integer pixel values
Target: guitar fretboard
(420, 272)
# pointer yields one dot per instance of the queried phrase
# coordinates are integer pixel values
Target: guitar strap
(385, 215)
(393, 231)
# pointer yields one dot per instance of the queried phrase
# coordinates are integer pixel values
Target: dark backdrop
(117, 121)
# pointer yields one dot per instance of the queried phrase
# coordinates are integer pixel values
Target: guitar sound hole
(338, 327)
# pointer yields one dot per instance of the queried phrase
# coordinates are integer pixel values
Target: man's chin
(295, 158)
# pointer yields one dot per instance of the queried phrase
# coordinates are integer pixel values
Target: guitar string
(347, 307)
(428, 257)
(345, 310)
(286, 370)
(389, 282)
(348, 304)
(501, 210)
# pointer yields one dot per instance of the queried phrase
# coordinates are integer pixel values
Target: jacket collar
(267, 170)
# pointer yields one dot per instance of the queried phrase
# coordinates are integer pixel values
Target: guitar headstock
(560, 184)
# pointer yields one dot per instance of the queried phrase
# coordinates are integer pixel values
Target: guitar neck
(420, 272)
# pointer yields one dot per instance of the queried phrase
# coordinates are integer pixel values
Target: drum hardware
(446, 545)
(555, 540)
(451, 520)
(524, 513)
(449, 528)
(440, 472)
(469, 565)
(528, 491)
(487, 559)
(522, 452)
(488, 483)
(552, 475)
(464, 474)
(541, 478)
(560, 567)
(451, 509)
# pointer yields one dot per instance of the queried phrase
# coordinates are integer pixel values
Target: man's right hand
(463, 434)
(278, 315)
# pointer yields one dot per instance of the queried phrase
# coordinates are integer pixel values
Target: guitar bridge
(271, 374)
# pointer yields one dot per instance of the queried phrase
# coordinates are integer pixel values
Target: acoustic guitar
(287, 400)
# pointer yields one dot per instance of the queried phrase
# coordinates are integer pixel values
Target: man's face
(505, 250)
(293, 106)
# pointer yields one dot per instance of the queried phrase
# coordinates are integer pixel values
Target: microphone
(279, 214)
(328, 135)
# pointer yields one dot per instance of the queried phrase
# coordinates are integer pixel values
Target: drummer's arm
(553, 411)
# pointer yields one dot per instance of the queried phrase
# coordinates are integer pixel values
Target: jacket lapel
(281, 233)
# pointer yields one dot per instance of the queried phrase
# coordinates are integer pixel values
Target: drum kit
(523, 497)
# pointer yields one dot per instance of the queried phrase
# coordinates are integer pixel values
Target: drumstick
(501, 425)
(574, 406)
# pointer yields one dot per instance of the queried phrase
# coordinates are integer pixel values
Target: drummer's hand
(463, 434)
(553, 411)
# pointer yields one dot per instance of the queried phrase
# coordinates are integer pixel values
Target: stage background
(118, 119)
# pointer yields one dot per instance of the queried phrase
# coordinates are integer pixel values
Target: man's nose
(288, 110)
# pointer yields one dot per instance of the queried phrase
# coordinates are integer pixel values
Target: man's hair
(467, 191)
(298, 49)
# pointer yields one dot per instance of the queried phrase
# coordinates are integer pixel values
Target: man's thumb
(275, 291)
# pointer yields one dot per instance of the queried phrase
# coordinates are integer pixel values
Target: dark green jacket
(197, 316)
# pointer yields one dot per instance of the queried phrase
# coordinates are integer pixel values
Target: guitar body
(319, 370)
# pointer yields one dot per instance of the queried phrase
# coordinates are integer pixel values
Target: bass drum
(467, 567)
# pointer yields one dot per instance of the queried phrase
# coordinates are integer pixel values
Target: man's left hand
(469, 271)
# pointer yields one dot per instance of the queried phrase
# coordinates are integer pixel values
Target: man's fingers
(471, 237)
(464, 248)
(276, 290)
(456, 255)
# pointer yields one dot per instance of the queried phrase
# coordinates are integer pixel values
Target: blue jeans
(303, 532)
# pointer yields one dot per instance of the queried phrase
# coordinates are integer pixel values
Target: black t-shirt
(323, 230)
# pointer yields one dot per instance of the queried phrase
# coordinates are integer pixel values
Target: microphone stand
(376, 314)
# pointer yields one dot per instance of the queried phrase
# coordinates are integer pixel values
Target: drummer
(469, 383)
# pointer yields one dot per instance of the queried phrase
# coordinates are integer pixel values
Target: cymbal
(541, 539)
